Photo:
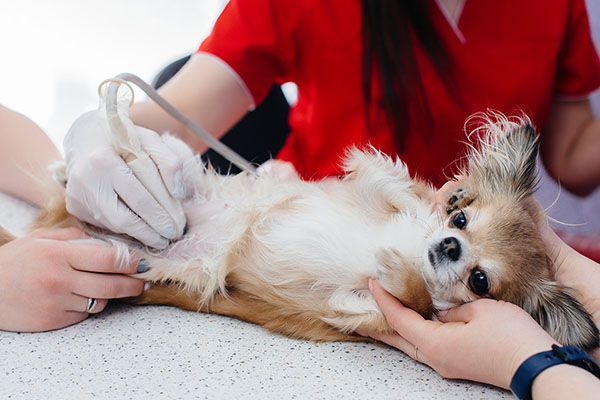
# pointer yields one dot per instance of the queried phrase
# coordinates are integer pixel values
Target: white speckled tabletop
(144, 352)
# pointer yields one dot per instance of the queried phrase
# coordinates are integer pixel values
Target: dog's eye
(459, 220)
(479, 282)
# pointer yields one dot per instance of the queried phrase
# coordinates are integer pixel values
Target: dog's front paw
(460, 198)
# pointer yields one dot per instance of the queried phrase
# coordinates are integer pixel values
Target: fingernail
(179, 187)
(371, 285)
(161, 244)
(171, 232)
(147, 286)
(143, 266)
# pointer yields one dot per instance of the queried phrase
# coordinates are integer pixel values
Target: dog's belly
(297, 244)
(332, 244)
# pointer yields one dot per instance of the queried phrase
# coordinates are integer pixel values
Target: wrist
(526, 350)
(539, 364)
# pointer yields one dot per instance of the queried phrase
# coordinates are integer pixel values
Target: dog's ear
(505, 162)
(562, 316)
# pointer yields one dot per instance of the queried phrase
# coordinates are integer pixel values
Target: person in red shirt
(512, 57)
(511, 62)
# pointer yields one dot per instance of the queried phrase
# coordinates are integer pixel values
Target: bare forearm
(583, 158)
(25, 153)
(565, 382)
(204, 90)
(570, 147)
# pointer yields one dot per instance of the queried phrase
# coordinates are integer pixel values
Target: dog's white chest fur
(302, 228)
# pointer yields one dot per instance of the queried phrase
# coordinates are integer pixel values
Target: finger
(99, 203)
(397, 341)
(60, 234)
(68, 318)
(139, 229)
(81, 304)
(107, 286)
(141, 202)
(169, 163)
(122, 220)
(113, 215)
(462, 313)
(84, 256)
(405, 321)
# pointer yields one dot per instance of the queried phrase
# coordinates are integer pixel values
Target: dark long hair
(390, 30)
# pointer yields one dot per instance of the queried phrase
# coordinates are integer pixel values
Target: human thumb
(462, 313)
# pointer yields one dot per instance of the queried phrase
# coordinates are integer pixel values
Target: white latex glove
(102, 190)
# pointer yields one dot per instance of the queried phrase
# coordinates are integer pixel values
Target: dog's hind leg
(171, 294)
(204, 277)
(241, 305)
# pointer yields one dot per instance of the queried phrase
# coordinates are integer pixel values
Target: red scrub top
(512, 56)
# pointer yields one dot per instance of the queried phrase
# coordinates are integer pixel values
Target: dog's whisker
(555, 201)
(556, 221)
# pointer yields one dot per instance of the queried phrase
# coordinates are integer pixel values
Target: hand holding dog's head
(490, 245)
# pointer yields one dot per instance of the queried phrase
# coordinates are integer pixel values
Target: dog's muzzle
(447, 249)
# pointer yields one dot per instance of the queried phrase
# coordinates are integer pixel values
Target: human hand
(103, 191)
(484, 341)
(46, 281)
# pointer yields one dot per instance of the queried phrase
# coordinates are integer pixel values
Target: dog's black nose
(450, 248)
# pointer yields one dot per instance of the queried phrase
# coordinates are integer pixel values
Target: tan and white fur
(295, 256)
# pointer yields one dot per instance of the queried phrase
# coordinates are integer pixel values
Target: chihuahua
(295, 256)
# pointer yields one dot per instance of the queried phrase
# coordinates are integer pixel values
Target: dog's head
(488, 244)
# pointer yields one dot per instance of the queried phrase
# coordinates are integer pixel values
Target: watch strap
(522, 381)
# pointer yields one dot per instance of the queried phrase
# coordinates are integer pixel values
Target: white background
(55, 53)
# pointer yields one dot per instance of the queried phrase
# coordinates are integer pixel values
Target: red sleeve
(256, 39)
(578, 68)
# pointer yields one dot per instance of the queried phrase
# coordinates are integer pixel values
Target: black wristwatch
(523, 380)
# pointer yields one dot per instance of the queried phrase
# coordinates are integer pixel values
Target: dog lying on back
(296, 256)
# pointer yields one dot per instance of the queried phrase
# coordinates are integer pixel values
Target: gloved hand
(103, 191)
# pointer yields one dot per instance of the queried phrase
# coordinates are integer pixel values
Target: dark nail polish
(143, 266)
